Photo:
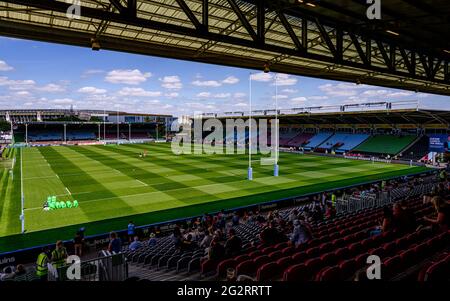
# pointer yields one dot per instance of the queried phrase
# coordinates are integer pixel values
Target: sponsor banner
(438, 143)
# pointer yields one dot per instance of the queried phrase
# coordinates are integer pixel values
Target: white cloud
(172, 94)
(279, 96)
(51, 88)
(91, 90)
(318, 97)
(231, 80)
(17, 84)
(298, 100)
(374, 93)
(200, 106)
(400, 94)
(128, 76)
(62, 101)
(172, 82)
(239, 95)
(339, 90)
(204, 94)
(289, 91)
(210, 95)
(285, 80)
(222, 95)
(91, 72)
(139, 92)
(206, 83)
(241, 104)
(22, 93)
(262, 77)
(5, 67)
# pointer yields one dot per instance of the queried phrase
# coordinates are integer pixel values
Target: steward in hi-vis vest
(41, 264)
(59, 255)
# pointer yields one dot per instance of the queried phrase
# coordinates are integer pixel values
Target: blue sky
(43, 75)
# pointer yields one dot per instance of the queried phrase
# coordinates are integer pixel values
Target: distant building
(38, 115)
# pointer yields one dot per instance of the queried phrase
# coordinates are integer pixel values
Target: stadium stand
(286, 136)
(417, 150)
(317, 139)
(337, 251)
(343, 142)
(299, 140)
(385, 144)
(81, 135)
(45, 136)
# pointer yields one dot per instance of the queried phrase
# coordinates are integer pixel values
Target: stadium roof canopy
(331, 39)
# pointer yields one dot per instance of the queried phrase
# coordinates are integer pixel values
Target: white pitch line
(33, 178)
(67, 189)
(142, 182)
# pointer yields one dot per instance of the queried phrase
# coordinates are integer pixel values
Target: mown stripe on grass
(68, 181)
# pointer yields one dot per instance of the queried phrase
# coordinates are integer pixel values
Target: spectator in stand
(235, 219)
(206, 241)
(216, 250)
(402, 221)
(442, 221)
(330, 211)
(152, 241)
(270, 234)
(115, 244)
(386, 223)
(177, 237)
(234, 244)
(78, 241)
(188, 244)
(136, 244)
(9, 274)
(317, 214)
(301, 233)
(131, 231)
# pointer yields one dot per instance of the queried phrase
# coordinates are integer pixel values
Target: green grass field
(113, 185)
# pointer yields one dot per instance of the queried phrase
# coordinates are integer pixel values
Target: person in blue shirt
(131, 231)
(115, 244)
(136, 244)
(152, 241)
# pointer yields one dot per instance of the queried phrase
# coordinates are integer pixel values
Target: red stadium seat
(338, 243)
(285, 262)
(267, 250)
(208, 266)
(408, 257)
(241, 258)
(348, 268)
(288, 251)
(342, 253)
(281, 246)
(325, 247)
(255, 254)
(224, 265)
(260, 260)
(314, 265)
(389, 248)
(328, 259)
(267, 271)
(299, 257)
(392, 266)
(298, 272)
(247, 267)
(275, 255)
(313, 252)
(329, 274)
